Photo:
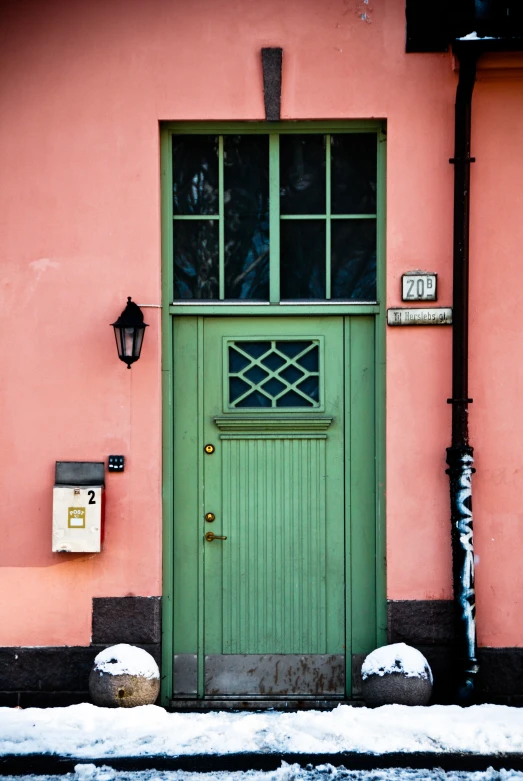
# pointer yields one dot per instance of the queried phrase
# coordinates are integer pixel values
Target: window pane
(353, 259)
(196, 262)
(302, 174)
(246, 207)
(302, 259)
(195, 174)
(353, 173)
(255, 399)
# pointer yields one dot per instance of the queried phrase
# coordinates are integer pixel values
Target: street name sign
(441, 315)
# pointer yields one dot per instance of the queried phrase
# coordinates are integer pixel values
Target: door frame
(378, 635)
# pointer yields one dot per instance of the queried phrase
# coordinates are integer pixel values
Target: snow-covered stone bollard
(396, 675)
(124, 676)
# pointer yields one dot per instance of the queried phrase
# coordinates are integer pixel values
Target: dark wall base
(428, 625)
(500, 678)
(57, 676)
(42, 699)
(134, 620)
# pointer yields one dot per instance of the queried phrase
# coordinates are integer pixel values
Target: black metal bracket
(460, 401)
(457, 160)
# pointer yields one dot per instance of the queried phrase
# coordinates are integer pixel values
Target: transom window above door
(279, 217)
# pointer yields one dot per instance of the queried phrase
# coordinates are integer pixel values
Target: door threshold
(258, 704)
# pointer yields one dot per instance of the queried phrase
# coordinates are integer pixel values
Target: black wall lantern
(129, 331)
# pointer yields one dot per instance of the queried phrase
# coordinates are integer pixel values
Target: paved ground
(306, 767)
(90, 772)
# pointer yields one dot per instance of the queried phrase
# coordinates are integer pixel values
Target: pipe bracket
(456, 160)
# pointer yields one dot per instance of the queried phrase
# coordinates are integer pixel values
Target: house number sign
(418, 286)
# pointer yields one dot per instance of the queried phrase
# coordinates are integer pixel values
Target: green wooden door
(275, 588)
(274, 438)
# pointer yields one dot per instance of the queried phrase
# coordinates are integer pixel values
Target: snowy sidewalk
(87, 732)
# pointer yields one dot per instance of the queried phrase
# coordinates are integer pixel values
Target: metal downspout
(460, 455)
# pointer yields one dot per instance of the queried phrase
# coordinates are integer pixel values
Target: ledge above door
(273, 423)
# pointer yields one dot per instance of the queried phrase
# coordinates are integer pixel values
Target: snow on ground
(285, 773)
(86, 731)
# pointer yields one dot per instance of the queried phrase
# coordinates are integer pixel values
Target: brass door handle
(210, 536)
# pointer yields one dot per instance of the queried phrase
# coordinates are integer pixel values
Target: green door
(275, 588)
(273, 450)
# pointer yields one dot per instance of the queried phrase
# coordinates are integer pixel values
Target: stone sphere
(396, 675)
(124, 676)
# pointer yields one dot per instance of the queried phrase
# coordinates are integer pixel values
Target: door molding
(272, 423)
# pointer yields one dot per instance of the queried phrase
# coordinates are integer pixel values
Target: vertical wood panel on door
(274, 510)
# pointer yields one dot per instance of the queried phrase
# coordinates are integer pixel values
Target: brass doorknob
(210, 517)
(210, 536)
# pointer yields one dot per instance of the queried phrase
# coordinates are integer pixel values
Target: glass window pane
(256, 349)
(246, 207)
(237, 387)
(302, 174)
(196, 263)
(353, 173)
(293, 399)
(353, 259)
(195, 174)
(311, 360)
(302, 259)
(237, 361)
(255, 399)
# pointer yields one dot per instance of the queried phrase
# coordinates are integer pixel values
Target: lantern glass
(138, 340)
(128, 342)
(118, 337)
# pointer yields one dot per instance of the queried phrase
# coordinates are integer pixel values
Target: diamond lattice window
(274, 374)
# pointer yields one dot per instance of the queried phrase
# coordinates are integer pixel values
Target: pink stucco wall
(84, 86)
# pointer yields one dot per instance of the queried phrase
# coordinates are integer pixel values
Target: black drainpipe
(460, 454)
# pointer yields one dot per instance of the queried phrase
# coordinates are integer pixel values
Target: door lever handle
(210, 536)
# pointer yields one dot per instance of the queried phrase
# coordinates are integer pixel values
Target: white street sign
(436, 316)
